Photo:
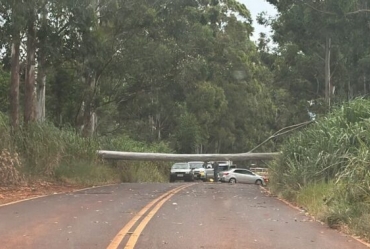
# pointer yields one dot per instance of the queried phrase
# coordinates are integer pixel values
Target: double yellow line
(135, 235)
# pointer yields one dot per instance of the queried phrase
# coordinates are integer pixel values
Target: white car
(199, 170)
(181, 171)
(241, 176)
(222, 166)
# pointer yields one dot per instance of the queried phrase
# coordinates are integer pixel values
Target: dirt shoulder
(17, 193)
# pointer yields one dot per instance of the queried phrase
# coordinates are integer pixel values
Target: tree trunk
(41, 72)
(365, 89)
(89, 115)
(350, 92)
(327, 70)
(41, 88)
(14, 82)
(30, 101)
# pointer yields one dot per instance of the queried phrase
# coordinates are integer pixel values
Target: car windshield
(180, 166)
(196, 165)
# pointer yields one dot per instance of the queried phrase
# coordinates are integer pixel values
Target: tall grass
(330, 160)
(5, 135)
(51, 153)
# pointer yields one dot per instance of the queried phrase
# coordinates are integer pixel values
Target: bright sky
(256, 7)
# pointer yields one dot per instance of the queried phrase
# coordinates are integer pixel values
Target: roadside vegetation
(186, 77)
(44, 152)
(325, 168)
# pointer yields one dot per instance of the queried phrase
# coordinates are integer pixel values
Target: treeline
(182, 72)
(321, 56)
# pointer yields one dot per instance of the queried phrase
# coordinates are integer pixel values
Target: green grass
(86, 174)
(326, 168)
(46, 152)
(314, 198)
(132, 171)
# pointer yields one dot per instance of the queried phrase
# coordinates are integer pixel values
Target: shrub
(64, 155)
(330, 159)
(9, 169)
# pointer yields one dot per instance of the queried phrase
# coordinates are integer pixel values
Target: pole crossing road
(164, 215)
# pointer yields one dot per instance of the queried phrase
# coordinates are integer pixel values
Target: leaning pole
(142, 156)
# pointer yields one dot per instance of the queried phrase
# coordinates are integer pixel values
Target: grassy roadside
(46, 153)
(326, 169)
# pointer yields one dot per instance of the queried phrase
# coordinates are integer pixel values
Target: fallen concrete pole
(140, 156)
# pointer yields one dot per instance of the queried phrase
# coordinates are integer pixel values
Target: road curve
(181, 216)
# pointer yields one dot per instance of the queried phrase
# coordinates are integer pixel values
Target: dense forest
(184, 73)
(184, 76)
(181, 72)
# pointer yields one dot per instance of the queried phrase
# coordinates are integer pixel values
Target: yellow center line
(135, 235)
(122, 233)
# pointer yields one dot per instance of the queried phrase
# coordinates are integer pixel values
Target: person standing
(215, 171)
(205, 165)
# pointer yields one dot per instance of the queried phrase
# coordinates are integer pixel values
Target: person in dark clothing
(215, 171)
(205, 165)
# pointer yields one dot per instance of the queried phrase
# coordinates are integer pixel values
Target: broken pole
(142, 156)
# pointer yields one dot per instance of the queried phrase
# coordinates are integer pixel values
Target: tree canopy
(181, 72)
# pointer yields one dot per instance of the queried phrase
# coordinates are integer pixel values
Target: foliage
(4, 90)
(184, 76)
(298, 58)
(188, 135)
(9, 169)
(62, 155)
(140, 65)
(329, 159)
(86, 174)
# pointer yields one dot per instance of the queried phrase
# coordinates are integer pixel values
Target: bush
(63, 155)
(329, 159)
(87, 174)
(9, 169)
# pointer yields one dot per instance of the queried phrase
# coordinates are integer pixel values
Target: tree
(320, 46)
(13, 21)
(145, 69)
(30, 78)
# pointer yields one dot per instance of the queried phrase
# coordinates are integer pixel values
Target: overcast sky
(256, 7)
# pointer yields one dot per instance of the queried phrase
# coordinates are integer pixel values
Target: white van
(181, 171)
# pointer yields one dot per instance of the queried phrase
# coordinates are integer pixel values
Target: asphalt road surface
(173, 216)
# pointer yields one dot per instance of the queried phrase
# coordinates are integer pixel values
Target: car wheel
(259, 182)
(172, 180)
(232, 180)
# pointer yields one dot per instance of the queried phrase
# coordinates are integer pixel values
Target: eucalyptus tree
(236, 68)
(159, 71)
(12, 18)
(209, 69)
(92, 36)
(328, 37)
(29, 25)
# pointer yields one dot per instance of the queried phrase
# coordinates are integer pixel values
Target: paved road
(181, 216)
